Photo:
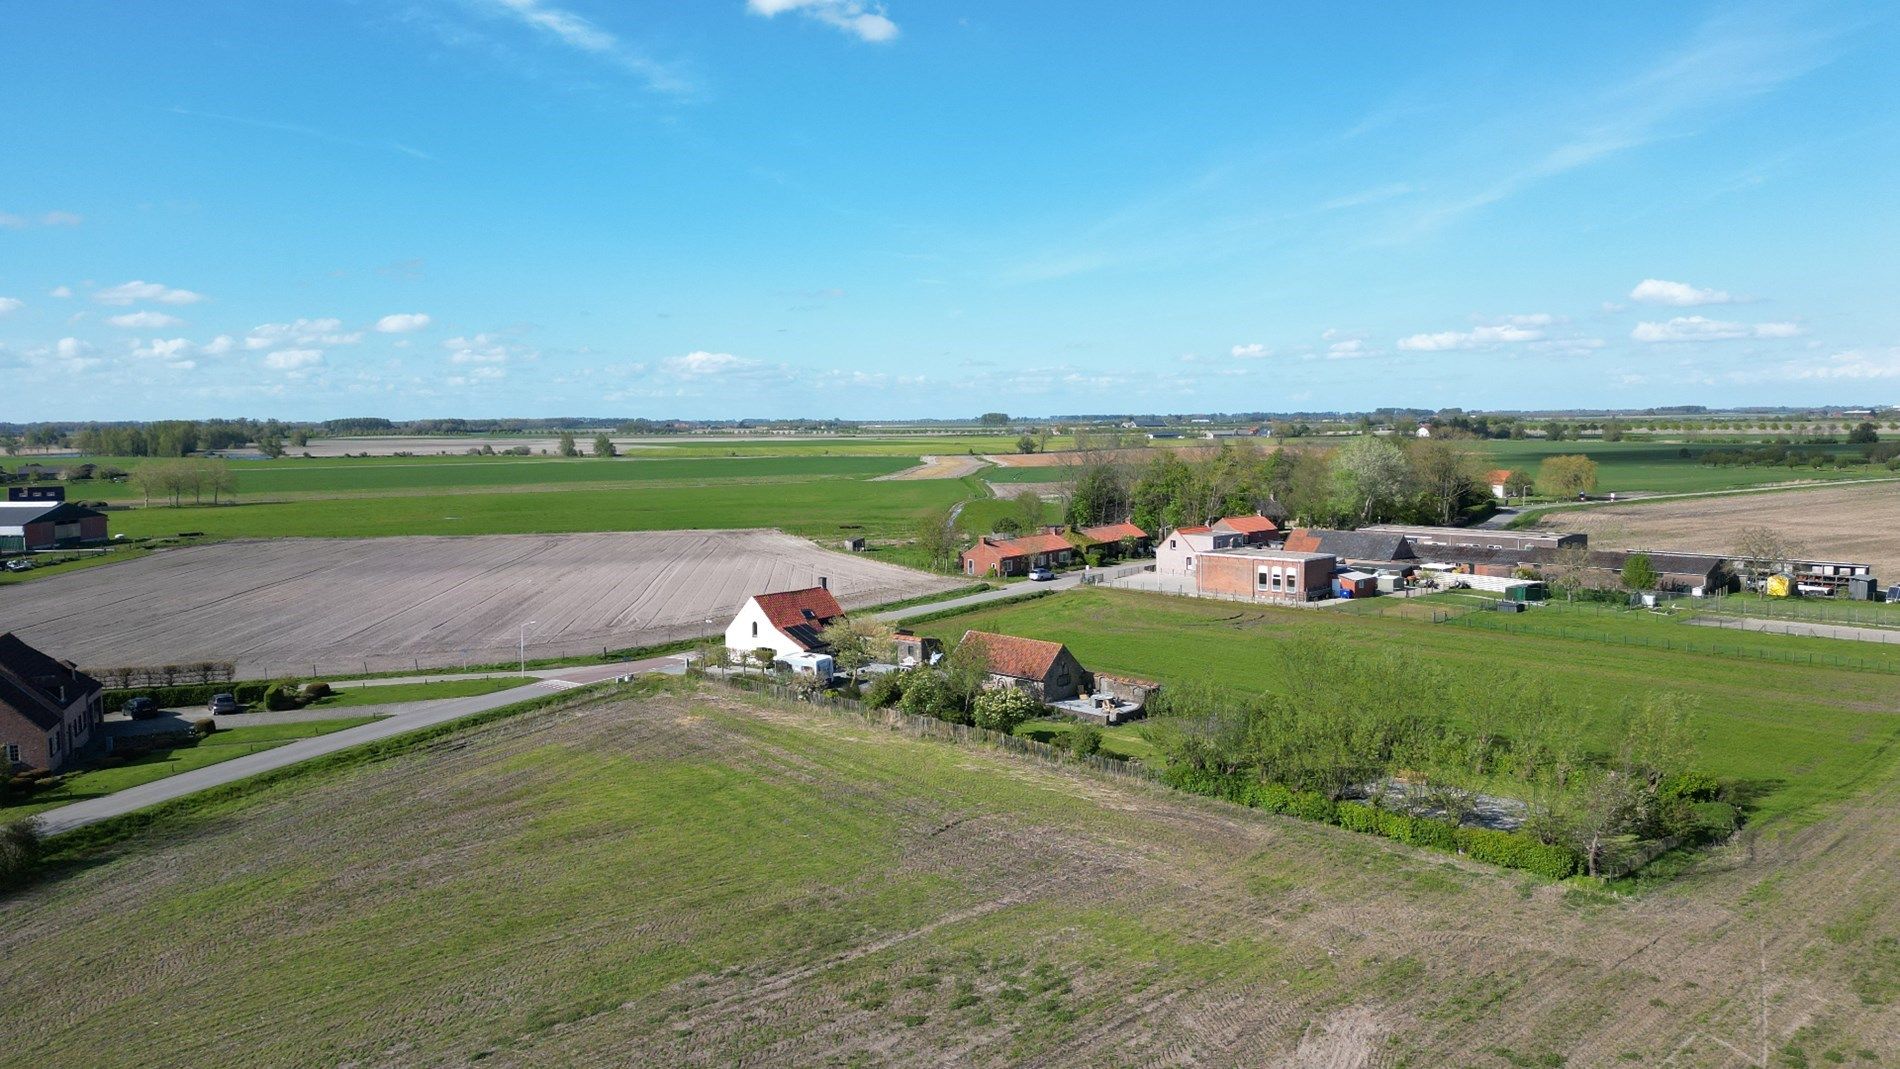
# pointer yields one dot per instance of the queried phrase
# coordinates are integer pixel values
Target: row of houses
(1052, 547)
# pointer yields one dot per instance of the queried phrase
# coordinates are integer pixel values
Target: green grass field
(157, 765)
(675, 878)
(1802, 737)
(1659, 467)
(394, 693)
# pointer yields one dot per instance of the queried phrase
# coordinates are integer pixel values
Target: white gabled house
(787, 623)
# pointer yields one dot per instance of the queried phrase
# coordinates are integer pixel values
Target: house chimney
(824, 582)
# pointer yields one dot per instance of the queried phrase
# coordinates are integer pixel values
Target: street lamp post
(523, 650)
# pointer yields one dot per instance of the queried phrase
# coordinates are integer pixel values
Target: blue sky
(834, 208)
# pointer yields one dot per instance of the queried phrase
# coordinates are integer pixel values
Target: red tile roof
(1200, 529)
(1498, 475)
(800, 614)
(1301, 540)
(1113, 532)
(1036, 543)
(1018, 658)
(1249, 524)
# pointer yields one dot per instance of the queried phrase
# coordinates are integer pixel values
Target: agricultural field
(1657, 467)
(677, 878)
(694, 445)
(1801, 737)
(342, 606)
(1847, 523)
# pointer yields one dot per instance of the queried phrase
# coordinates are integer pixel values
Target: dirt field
(1847, 523)
(280, 606)
(928, 467)
(671, 880)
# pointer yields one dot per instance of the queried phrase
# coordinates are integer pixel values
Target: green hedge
(196, 694)
(1508, 849)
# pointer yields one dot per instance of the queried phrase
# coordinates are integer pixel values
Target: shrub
(187, 696)
(1004, 708)
(1518, 851)
(204, 725)
(1085, 740)
(1716, 819)
(20, 844)
(281, 697)
(312, 691)
(884, 690)
(1694, 785)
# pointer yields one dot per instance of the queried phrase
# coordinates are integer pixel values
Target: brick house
(1253, 530)
(48, 708)
(787, 623)
(1267, 574)
(1045, 669)
(1113, 538)
(1015, 556)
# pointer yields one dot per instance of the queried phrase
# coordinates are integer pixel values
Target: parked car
(19, 564)
(141, 708)
(223, 703)
(1040, 575)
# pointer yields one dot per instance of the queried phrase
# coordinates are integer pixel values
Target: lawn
(50, 564)
(394, 693)
(819, 508)
(1122, 740)
(1802, 736)
(1660, 467)
(159, 764)
(675, 878)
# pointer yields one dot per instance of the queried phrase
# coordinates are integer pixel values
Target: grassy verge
(49, 565)
(161, 764)
(394, 693)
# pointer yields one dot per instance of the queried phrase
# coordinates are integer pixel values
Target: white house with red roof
(787, 623)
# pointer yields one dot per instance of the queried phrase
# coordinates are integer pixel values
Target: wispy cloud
(402, 322)
(306, 131)
(10, 304)
(866, 22)
(147, 320)
(138, 290)
(10, 221)
(567, 29)
(1702, 328)
(1680, 294)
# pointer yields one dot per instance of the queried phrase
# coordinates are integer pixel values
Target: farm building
(1266, 574)
(1175, 552)
(1351, 584)
(787, 623)
(48, 708)
(1686, 572)
(1045, 669)
(29, 525)
(1253, 530)
(914, 649)
(1015, 556)
(1489, 538)
(1112, 539)
(1370, 547)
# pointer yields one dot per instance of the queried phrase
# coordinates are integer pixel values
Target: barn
(30, 525)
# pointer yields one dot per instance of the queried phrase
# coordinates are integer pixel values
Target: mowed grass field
(693, 879)
(1801, 737)
(1659, 466)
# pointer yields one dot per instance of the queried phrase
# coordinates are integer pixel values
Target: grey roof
(1264, 553)
(20, 513)
(31, 683)
(1365, 545)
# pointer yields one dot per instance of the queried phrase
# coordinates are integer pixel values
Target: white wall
(751, 630)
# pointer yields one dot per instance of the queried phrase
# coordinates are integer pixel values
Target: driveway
(396, 719)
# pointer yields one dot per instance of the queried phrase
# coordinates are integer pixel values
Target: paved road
(1799, 627)
(401, 719)
(1067, 581)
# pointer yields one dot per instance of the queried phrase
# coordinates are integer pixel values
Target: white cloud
(145, 321)
(1702, 328)
(62, 292)
(1535, 319)
(10, 221)
(61, 219)
(1486, 337)
(486, 349)
(1251, 351)
(73, 349)
(219, 345)
(302, 332)
(1851, 365)
(701, 363)
(135, 291)
(578, 33)
(160, 349)
(478, 375)
(402, 322)
(866, 22)
(10, 304)
(293, 359)
(1344, 350)
(1679, 294)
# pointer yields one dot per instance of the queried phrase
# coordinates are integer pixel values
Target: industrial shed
(30, 525)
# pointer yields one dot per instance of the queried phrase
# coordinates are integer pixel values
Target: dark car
(223, 703)
(142, 708)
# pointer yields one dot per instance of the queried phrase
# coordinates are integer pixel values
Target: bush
(1004, 708)
(884, 690)
(1716, 819)
(20, 844)
(204, 725)
(1514, 850)
(281, 697)
(187, 696)
(1085, 740)
(310, 692)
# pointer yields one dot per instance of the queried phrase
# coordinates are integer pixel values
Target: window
(1190, 562)
(1261, 579)
(1171, 544)
(755, 629)
(13, 753)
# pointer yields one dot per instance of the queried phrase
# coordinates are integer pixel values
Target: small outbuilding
(1045, 669)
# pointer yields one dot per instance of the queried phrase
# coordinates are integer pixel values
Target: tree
(1639, 573)
(1863, 434)
(993, 419)
(271, 446)
(937, 539)
(567, 448)
(1028, 508)
(1613, 431)
(1571, 570)
(856, 641)
(1767, 545)
(1026, 444)
(1567, 476)
(1447, 476)
(764, 656)
(1370, 474)
(10, 443)
(604, 446)
(300, 438)
(1004, 708)
(1518, 484)
(1098, 495)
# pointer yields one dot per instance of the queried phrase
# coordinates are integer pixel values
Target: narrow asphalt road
(1799, 627)
(1060, 582)
(400, 719)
